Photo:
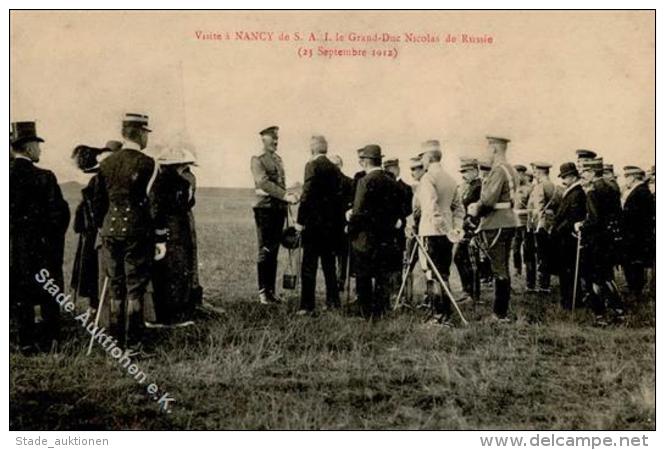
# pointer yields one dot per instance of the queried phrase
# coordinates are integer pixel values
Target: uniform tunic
(128, 230)
(498, 222)
(269, 214)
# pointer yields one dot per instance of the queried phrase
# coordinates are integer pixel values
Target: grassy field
(261, 367)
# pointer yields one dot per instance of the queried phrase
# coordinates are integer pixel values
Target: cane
(405, 275)
(99, 312)
(577, 270)
(440, 278)
(347, 284)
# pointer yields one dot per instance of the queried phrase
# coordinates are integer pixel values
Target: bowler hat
(371, 151)
(567, 168)
(23, 132)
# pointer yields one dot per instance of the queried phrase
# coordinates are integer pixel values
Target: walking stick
(99, 312)
(577, 270)
(405, 275)
(79, 272)
(440, 278)
(347, 285)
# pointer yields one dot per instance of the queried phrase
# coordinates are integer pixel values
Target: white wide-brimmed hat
(176, 156)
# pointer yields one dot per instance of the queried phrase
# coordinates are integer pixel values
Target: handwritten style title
(345, 44)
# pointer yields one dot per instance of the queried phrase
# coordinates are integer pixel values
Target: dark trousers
(543, 254)
(517, 246)
(440, 250)
(498, 244)
(567, 257)
(530, 258)
(342, 256)
(317, 245)
(29, 332)
(373, 293)
(463, 263)
(269, 227)
(127, 262)
(635, 274)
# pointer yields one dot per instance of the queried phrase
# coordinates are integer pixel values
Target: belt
(503, 205)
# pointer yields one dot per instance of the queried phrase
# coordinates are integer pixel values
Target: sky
(552, 82)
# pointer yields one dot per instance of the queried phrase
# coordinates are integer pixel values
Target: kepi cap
(136, 120)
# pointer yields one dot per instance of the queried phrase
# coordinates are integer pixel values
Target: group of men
(377, 228)
(373, 227)
(128, 229)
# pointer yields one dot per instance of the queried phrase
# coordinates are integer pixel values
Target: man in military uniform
(413, 221)
(584, 156)
(572, 209)
(442, 214)
(468, 191)
(372, 223)
(600, 230)
(545, 201)
(484, 168)
(38, 220)
(270, 211)
(132, 229)
(608, 174)
(521, 199)
(638, 222)
(498, 220)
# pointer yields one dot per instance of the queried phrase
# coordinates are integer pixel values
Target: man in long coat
(38, 220)
(572, 209)
(639, 239)
(319, 221)
(601, 229)
(372, 223)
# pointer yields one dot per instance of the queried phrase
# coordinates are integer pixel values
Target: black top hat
(22, 132)
(371, 151)
(567, 168)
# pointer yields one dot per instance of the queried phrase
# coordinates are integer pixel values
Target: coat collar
(571, 187)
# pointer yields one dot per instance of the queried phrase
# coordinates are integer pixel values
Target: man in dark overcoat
(38, 219)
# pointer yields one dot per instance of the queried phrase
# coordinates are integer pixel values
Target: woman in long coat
(85, 273)
(174, 277)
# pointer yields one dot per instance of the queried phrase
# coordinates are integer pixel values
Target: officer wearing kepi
(131, 238)
(270, 211)
(498, 220)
